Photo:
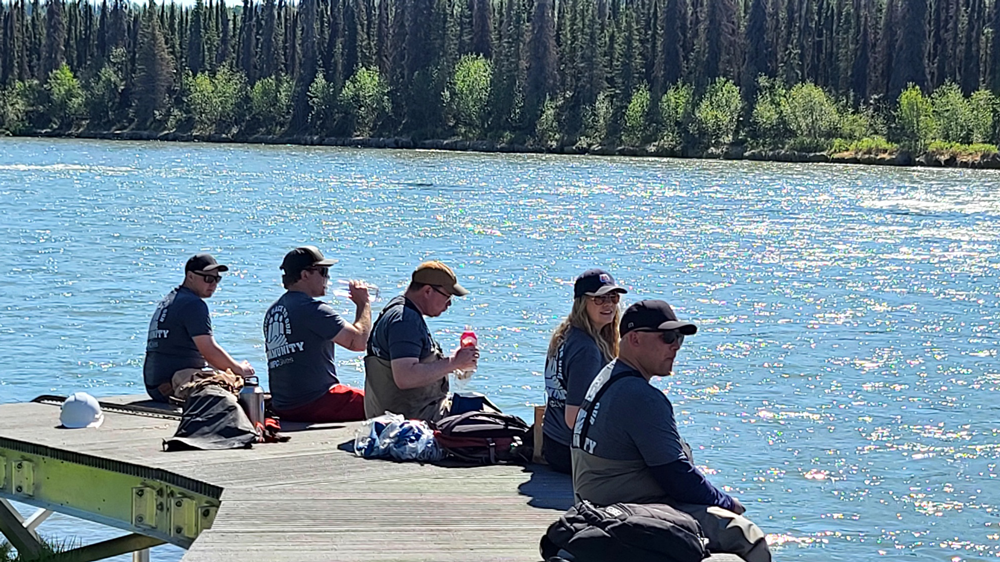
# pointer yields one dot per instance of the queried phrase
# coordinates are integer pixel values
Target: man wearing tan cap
(405, 371)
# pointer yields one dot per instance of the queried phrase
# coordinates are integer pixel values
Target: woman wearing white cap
(581, 346)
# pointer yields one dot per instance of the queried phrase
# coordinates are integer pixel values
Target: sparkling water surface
(843, 383)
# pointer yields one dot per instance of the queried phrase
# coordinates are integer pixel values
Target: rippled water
(844, 383)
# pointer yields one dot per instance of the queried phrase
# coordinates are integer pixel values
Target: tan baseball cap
(439, 274)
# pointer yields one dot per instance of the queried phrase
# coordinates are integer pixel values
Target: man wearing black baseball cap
(626, 446)
(180, 333)
(299, 336)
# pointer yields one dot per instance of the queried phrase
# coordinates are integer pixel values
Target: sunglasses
(440, 292)
(611, 298)
(210, 279)
(323, 271)
(668, 336)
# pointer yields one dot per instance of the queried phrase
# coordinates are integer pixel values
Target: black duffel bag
(625, 531)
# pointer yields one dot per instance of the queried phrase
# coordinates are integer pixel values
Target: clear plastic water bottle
(462, 376)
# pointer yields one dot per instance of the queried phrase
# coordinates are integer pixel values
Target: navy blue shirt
(298, 339)
(567, 377)
(634, 421)
(179, 317)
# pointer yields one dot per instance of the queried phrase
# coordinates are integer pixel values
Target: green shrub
(945, 149)
(323, 104)
(547, 126)
(914, 119)
(365, 100)
(952, 114)
(596, 118)
(676, 114)
(984, 108)
(215, 101)
(636, 117)
(270, 104)
(469, 94)
(869, 145)
(769, 127)
(812, 115)
(13, 110)
(718, 113)
(66, 98)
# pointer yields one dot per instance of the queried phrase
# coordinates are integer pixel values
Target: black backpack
(481, 437)
(625, 531)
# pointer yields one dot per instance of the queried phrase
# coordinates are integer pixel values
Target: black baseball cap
(204, 262)
(653, 315)
(595, 282)
(304, 257)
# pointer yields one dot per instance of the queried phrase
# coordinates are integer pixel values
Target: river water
(843, 384)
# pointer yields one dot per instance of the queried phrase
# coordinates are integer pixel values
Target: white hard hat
(81, 410)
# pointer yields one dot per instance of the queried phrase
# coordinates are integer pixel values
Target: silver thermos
(252, 400)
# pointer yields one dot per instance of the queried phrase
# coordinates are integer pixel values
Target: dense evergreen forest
(677, 75)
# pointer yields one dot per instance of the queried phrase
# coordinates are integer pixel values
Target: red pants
(342, 403)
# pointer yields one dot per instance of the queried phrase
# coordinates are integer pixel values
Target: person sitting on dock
(299, 336)
(406, 372)
(180, 333)
(582, 344)
(626, 447)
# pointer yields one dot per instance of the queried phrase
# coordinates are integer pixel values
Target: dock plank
(311, 499)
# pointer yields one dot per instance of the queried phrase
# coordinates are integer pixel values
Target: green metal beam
(106, 549)
(146, 501)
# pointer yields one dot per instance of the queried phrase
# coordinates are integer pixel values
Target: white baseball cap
(81, 410)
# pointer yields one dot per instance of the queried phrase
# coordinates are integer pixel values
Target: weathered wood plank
(312, 500)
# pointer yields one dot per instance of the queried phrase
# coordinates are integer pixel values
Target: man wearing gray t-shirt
(405, 371)
(299, 336)
(626, 446)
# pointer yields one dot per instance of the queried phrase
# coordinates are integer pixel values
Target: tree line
(685, 74)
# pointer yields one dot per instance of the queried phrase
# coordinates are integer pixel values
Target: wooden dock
(309, 499)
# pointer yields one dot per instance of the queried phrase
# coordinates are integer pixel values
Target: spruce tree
(482, 28)
(994, 58)
(542, 77)
(862, 55)
(268, 33)
(196, 38)
(909, 65)
(247, 40)
(971, 51)
(225, 51)
(670, 58)
(758, 55)
(154, 69)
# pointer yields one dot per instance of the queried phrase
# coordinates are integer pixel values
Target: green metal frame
(146, 501)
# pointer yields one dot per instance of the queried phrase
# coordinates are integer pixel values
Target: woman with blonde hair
(581, 346)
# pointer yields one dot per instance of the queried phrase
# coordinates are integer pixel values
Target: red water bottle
(468, 339)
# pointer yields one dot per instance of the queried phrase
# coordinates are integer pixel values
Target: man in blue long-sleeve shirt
(626, 447)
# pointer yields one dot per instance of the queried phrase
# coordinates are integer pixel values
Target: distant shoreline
(898, 158)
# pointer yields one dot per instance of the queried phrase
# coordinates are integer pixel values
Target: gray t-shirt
(632, 427)
(567, 378)
(400, 332)
(298, 339)
(179, 317)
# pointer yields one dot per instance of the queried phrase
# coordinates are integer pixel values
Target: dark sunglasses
(210, 279)
(323, 271)
(602, 300)
(668, 336)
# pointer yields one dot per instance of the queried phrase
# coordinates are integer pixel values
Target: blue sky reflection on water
(843, 383)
